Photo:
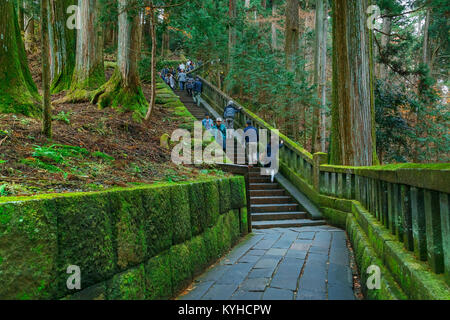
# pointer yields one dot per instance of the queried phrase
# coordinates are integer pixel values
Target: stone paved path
(309, 263)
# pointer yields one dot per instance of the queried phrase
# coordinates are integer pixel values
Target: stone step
(287, 223)
(275, 216)
(273, 207)
(267, 192)
(263, 186)
(270, 199)
(259, 179)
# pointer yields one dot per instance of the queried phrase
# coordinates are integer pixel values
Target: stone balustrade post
(319, 158)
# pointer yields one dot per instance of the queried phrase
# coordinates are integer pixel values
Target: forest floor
(91, 149)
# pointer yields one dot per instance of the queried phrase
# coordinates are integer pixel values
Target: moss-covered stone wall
(141, 243)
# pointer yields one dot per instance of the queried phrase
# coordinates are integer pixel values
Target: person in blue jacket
(182, 79)
(198, 88)
(229, 112)
(220, 133)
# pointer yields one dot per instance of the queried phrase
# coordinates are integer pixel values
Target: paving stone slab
(296, 254)
(340, 275)
(306, 235)
(261, 273)
(246, 295)
(278, 294)
(310, 295)
(267, 263)
(220, 292)
(249, 259)
(287, 275)
(257, 252)
(276, 252)
(213, 273)
(340, 293)
(319, 250)
(341, 257)
(254, 284)
(235, 274)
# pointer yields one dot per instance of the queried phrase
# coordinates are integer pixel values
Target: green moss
(244, 221)
(181, 266)
(158, 279)
(238, 195)
(28, 250)
(199, 256)
(113, 94)
(85, 239)
(128, 215)
(224, 195)
(158, 223)
(181, 214)
(198, 211)
(128, 285)
(211, 202)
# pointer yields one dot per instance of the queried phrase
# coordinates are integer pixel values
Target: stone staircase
(270, 204)
(188, 101)
(272, 207)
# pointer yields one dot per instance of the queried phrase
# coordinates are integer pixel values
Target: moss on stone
(197, 208)
(128, 285)
(158, 279)
(85, 239)
(28, 250)
(180, 214)
(237, 190)
(211, 202)
(224, 195)
(181, 266)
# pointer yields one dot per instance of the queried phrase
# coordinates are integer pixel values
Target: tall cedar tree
(18, 93)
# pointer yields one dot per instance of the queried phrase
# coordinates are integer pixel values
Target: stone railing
(413, 203)
(408, 203)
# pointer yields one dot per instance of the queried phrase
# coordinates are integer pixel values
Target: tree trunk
(231, 31)
(89, 71)
(123, 91)
(385, 37)
(29, 28)
(426, 47)
(62, 45)
(292, 33)
(320, 75)
(18, 93)
(47, 107)
(21, 16)
(153, 82)
(274, 26)
(353, 129)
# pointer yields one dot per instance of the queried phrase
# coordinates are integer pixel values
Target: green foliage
(63, 116)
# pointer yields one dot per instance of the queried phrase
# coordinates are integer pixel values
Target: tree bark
(385, 38)
(29, 28)
(231, 31)
(47, 107)
(62, 45)
(353, 129)
(274, 26)
(425, 48)
(153, 79)
(292, 33)
(18, 93)
(89, 72)
(320, 76)
(123, 91)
